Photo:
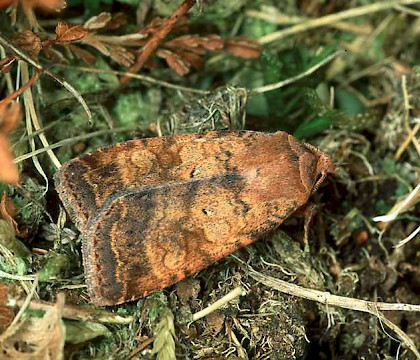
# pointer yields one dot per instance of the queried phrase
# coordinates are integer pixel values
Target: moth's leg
(307, 212)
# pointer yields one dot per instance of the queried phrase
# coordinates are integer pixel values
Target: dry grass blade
(332, 18)
(22, 55)
(400, 207)
(239, 291)
(76, 312)
(311, 70)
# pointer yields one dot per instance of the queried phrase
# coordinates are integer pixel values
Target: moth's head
(324, 166)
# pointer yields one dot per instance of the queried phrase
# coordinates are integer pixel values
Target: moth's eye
(294, 157)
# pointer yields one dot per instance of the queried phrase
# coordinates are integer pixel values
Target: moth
(154, 211)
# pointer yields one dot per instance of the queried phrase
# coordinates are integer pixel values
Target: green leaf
(78, 332)
(313, 127)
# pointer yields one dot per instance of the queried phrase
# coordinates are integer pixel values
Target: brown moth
(156, 210)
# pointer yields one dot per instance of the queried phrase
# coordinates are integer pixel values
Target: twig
(71, 141)
(330, 299)
(341, 301)
(293, 79)
(158, 37)
(238, 291)
(145, 78)
(76, 312)
(401, 206)
(407, 10)
(411, 133)
(22, 55)
(141, 347)
(408, 238)
(6, 275)
(333, 18)
(9, 258)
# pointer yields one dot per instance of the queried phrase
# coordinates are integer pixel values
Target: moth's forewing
(146, 239)
(85, 182)
(153, 211)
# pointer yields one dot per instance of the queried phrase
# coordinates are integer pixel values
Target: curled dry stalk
(328, 299)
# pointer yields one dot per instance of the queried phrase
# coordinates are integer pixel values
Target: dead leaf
(28, 41)
(9, 118)
(6, 313)
(174, 61)
(8, 172)
(119, 19)
(98, 21)
(52, 5)
(6, 64)
(69, 33)
(6, 3)
(120, 55)
(10, 115)
(194, 60)
(8, 211)
(243, 48)
(83, 54)
(36, 338)
(92, 41)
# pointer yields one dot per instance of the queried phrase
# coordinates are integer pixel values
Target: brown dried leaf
(8, 172)
(212, 42)
(174, 61)
(6, 313)
(153, 26)
(9, 118)
(66, 33)
(36, 338)
(61, 28)
(7, 208)
(8, 211)
(54, 55)
(102, 48)
(120, 55)
(6, 3)
(243, 48)
(28, 42)
(196, 43)
(52, 5)
(6, 63)
(116, 22)
(98, 21)
(83, 54)
(194, 60)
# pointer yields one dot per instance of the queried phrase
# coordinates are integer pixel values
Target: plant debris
(343, 76)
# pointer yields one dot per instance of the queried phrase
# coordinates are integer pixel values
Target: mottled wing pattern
(152, 237)
(153, 211)
(85, 182)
